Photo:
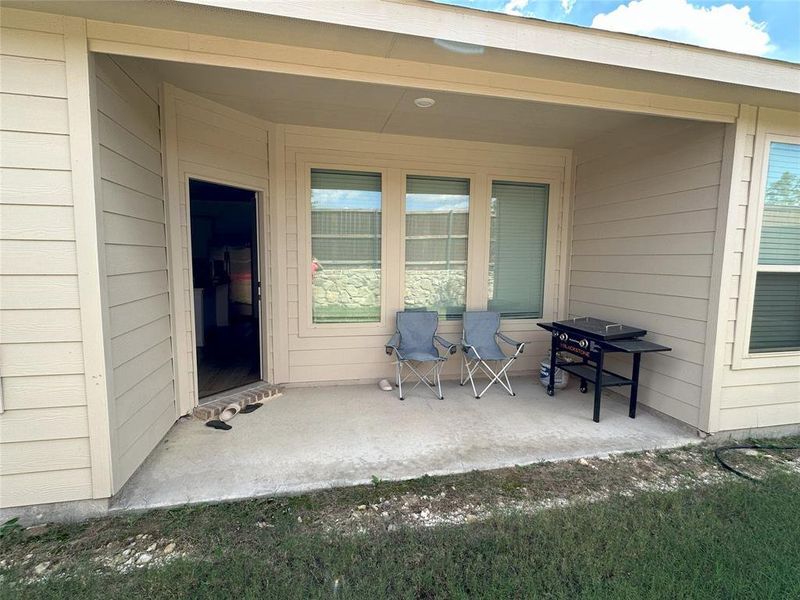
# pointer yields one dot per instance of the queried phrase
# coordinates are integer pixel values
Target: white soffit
(338, 104)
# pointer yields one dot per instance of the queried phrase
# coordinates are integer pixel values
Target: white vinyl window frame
(743, 358)
(552, 268)
(306, 324)
(474, 179)
(394, 172)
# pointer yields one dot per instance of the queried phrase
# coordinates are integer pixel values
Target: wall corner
(733, 163)
(84, 159)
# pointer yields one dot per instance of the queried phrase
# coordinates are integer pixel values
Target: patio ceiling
(376, 108)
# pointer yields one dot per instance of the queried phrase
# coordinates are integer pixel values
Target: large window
(518, 213)
(437, 226)
(776, 305)
(345, 268)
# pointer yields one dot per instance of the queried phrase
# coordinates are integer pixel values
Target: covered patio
(372, 198)
(322, 437)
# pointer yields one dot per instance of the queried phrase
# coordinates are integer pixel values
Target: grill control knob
(584, 343)
(563, 337)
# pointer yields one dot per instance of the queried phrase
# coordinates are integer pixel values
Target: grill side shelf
(588, 373)
(632, 346)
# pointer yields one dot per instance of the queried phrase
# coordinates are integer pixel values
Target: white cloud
(722, 27)
(567, 5)
(515, 7)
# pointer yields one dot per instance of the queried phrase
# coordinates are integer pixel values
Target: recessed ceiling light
(424, 102)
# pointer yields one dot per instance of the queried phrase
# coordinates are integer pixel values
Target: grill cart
(590, 340)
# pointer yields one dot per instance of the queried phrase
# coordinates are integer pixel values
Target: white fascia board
(469, 26)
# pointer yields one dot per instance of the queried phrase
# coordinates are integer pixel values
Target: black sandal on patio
(217, 424)
(251, 408)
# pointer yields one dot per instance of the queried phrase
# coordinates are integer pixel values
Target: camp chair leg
(400, 379)
(500, 376)
(509, 384)
(431, 379)
(470, 369)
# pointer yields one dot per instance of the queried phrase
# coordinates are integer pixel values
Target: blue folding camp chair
(413, 343)
(479, 347)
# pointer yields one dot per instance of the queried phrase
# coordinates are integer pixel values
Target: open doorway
(226, 286)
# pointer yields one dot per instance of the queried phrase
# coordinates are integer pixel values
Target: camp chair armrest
(465, 348)
(393, 344)
(508, 340)
(449, 346)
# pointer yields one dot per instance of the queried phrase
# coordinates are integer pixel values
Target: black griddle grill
(590, 340)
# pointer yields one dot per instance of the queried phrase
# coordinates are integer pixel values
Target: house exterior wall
(652, 191)
(642, 247)
(356, 351)
(209, 141)
(752, 391)
(47, 453)
(135, 254)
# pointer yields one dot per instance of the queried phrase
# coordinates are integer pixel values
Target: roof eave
(437, 21)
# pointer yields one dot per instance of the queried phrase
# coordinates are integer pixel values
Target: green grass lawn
(734, 539)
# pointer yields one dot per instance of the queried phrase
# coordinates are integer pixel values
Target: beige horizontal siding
(30, 257)
(50, 455)
(33, 77)
(38, 291)
(43, 424)
(44, 444)
(32, 114)
(23, 222)
(21, 326)
(55, 486)
(643, 240)
(134, 234)
(43, 391)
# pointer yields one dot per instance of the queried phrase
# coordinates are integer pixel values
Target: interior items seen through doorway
(226, 286)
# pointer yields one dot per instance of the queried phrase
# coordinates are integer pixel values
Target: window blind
(328, 179)
(517, 248)
(776, 313)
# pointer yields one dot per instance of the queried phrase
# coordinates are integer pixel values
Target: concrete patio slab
(315, 438)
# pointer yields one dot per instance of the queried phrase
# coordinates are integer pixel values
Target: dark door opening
(226, 286)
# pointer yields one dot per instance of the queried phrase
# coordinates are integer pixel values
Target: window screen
(345, 268)
(776, 304)
(437, 227)
(518, 213)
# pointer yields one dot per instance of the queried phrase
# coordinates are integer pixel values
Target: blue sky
(768, 28)
(361, 200)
